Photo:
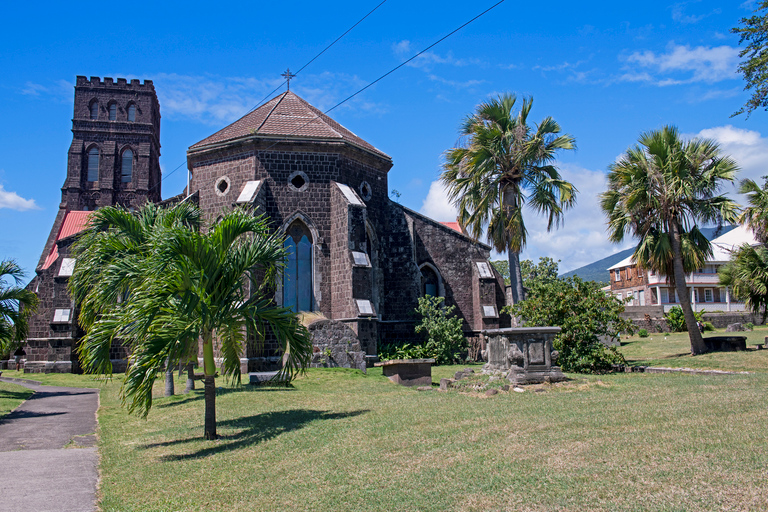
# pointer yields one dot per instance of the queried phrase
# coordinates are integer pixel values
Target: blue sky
(606, 73)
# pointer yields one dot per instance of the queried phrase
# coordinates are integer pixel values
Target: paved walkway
(47, 451)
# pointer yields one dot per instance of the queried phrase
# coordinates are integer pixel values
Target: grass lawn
(341, 440)
(674, 351)
(11, 396)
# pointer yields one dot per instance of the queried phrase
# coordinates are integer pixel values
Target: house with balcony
(641, 287)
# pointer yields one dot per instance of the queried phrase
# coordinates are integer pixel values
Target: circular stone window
(222, 186)
(298, 181)
(366, 191)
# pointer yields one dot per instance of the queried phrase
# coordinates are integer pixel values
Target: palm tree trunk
(678, 276)
(209, 370)
(190, 377)
(169, 389)
(515, 277)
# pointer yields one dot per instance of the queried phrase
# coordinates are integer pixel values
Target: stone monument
(524, 354)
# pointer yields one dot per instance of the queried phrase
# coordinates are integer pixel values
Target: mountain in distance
(598, 271)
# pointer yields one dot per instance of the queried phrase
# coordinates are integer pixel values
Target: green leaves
(16, 305)
(153, 281)
(747, 275)
(755, 67)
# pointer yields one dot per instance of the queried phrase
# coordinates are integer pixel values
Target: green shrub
(584, 313)
(709, 327)
(444, 340)
(749, 326)
(643, 333)
(676, 319)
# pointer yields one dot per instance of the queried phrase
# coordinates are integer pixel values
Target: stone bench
(408, 372)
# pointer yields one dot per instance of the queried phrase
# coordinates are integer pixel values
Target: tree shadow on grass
(198, 394)
(256, 429)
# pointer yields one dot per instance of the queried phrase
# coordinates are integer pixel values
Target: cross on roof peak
(288, 75)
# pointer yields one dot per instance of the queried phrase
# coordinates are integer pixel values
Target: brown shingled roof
(291, 116)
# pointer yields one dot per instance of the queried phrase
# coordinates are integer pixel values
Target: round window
(298, 181)
(365, 191)
(222, 186)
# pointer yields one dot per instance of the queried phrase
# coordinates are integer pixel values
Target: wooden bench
(408, 372)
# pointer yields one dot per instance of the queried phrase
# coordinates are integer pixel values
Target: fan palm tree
(659, 191)
(186, 287)
(16, 304)
(755, 216)
(502, 164)
(747, 275)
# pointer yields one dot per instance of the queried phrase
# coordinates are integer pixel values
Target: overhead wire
(313, 59)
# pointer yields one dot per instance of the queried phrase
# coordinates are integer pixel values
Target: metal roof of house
(74, 222)
(453, 225)
(722, 246)
(288, 115)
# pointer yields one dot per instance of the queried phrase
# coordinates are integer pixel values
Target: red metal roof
(453, 225)
(74, 222)
(291, 116)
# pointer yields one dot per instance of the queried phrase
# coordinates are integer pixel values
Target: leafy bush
(643, 333)
(584, 313)
(444, 340)
(709, 327)
(749, 326)
(676, 319)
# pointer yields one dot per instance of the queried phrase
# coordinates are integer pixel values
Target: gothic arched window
(93, 164)
(112, 111)
(430, 282)
(126, 170)
(297, 276)
(94, 110)
(131, 113)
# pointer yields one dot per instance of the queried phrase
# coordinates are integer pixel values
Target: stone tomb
(408, 372)
(524, 353)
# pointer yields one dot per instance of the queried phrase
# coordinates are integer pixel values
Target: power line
(284, 82)
(395, 68)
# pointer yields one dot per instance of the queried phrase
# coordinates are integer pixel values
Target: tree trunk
(678, 276)
(190, 377)
(210, 407)
(515, 277)
(169, 389)
(510, 204)
(209, 370)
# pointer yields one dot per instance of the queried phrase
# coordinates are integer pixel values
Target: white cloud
(428, 60)
(217, 100)
(437, 205)
(59, 90)
(679, 14)
(682, 64)
(14, 201)
(582, 239)
(748, 147)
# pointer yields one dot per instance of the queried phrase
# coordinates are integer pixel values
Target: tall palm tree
(659, 191)
(501, 164)
(16, 304)
(755, 216)
(186, 287)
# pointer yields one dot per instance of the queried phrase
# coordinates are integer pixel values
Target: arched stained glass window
(126, 172)
(297, 277)
(93, 164)
(131, 113)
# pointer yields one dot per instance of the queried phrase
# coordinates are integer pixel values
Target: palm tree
(747, 275)
(755, 216)
(659, 191)
(16, 304)
(502, 164)
(187, 286)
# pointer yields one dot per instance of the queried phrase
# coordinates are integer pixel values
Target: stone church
(356, 257)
